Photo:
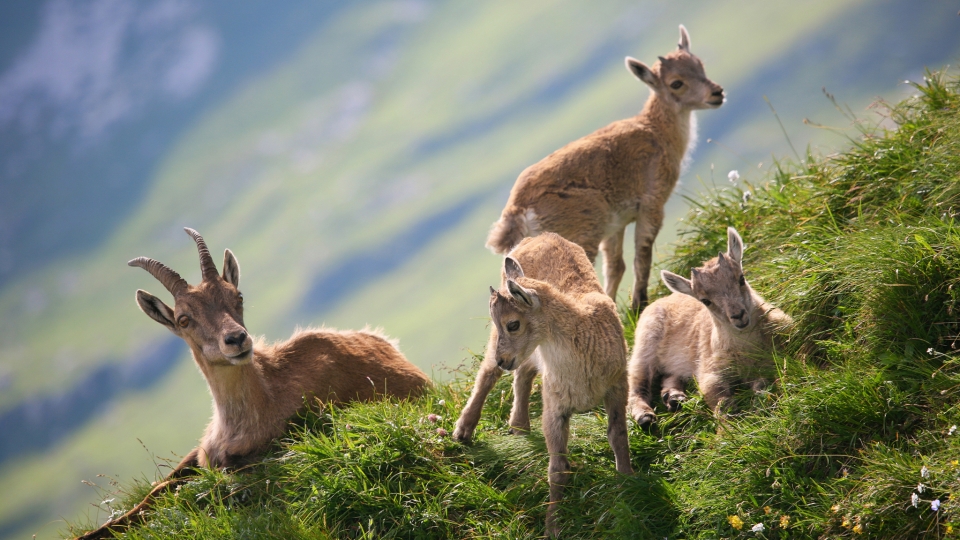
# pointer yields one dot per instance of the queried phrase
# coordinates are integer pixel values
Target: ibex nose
(235, 339)
(718, 92)
(740, 315)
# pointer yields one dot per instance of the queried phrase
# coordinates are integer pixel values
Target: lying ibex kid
(591, 189)
(256, 387)
(551, 316)
(714, 328)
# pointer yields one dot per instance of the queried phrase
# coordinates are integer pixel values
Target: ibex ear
(231, 269)
(511, 268)
(684, 39)
(527, 296)
(642, 72)
(156, 310)
(734, 245)
(675, 283)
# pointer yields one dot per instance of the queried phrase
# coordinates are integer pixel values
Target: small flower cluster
(436, 418)
(925, 473)
(848, 522)
(737, 522)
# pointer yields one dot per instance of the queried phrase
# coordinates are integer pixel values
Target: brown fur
(552, 317)
(680, 337)
(256, 387)
(592, 188)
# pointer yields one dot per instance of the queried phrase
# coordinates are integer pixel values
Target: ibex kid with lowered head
(551, 316)
(257, 387)
(591, 189)
(714, 328)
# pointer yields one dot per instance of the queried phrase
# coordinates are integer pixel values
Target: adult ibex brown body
(551, 317)
(591, 189)
(257, 388)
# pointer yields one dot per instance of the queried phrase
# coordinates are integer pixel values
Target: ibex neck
(560, 314)
(675, 125)
(239, 393)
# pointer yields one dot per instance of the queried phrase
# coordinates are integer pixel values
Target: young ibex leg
(648, 225)
(179, 475)
(488, 374)
(613, 265)
(673, 392)
(616, 404)
(716, 393)
(556, 430)
(522, 386)
(640, 404)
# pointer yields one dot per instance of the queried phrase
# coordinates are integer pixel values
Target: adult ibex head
(209, 315)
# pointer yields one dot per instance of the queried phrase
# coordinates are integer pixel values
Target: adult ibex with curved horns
(257, 387)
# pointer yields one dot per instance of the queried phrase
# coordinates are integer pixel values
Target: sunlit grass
(857, 438)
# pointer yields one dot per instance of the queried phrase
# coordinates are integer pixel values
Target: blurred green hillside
(355, 180)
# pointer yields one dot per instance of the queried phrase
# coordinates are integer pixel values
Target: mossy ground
(857, 438)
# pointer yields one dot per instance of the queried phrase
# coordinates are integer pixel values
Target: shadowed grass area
(857, 438)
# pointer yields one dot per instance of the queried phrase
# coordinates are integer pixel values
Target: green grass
(860, 247)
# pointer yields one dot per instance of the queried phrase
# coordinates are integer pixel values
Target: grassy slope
(861, 247)
(277, 213)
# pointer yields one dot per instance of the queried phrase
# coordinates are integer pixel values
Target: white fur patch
(531, 225)
(691, 144)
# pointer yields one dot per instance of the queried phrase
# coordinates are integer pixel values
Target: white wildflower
(935, 505)
(930, 350)
(921, 487)
(953, 429)
(441, 402)
(924, 472)
(759, 526)
(914, 499)
(733, 176)
(746, 196)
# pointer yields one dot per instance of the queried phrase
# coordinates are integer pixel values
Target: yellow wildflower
(955, 462)
(735, 522)
(784, 521)
(845, 523)
(858, 528)
(767, 510)
(949, 529)
(835, 508)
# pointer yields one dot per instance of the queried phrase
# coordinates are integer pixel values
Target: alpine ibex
(552, 317)
(714, 327)
(591, 189)
(257, 387)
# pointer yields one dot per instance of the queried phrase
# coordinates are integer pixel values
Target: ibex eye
(706, 302)
(240, 297)
(183, 321)
(676, 84)
(513, 326)
(742, 281)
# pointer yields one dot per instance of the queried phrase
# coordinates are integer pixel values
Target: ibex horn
(207, 267)
(170, 279)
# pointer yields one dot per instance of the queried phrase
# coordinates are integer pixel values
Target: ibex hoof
(462, 435)
(646, 419)
(519, 430)
(673, 401)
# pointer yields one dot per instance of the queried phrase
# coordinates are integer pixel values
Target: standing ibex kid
(256, 387)
(714, 328)
(591, 189)
(551, 316)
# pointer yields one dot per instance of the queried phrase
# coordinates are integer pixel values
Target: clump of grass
(858, 437)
